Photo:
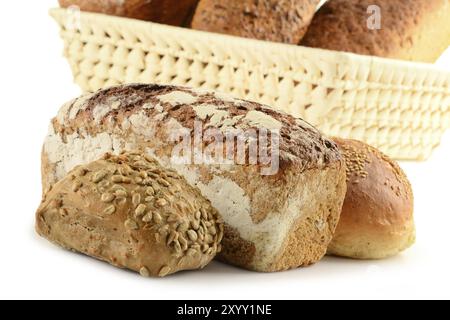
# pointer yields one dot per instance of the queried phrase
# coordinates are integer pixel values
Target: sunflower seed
(144, 272)
(150, 191)
(147, 218)
(108, 197)
(117, 187)
(198, 215)
(157, 218)
(157, 237)
(209, 239)
(155, 187)
(183, 243)
(212, 231)
(76, 186)
(164, 182)
(138, 180)
(173, 236)
(120, 201)
(136, 199)
(210, 252)
(204, 214)
(164, 271)
(192, 235)
(99, 176)
(195, 225)
(149, 199)
(174, 218)
(131, 224)
(164, 231)
(143, 175)
(191, 253)
(183, 227)
(124, 171)
(110, 210)
(121, 193)
(140, 210)
(177, 246)
(205, 248)
(117, 179)
(161, 202)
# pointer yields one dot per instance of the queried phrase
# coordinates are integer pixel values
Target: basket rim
(260, 44)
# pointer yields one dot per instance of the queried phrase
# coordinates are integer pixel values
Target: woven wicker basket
(401, 108)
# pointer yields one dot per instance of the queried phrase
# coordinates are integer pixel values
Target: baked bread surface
(414, 30)
(377, 217)
(129, 211)
(173, 12)
(273, 222)
(273, 20)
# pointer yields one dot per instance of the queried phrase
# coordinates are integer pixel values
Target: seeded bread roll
(377, 218)
(273, 20)
(279, 213)
(129, 211)
(173, 12)
(415, 30)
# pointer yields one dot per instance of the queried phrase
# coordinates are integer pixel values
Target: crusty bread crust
(129, 211)
(273, 20)
(377, 217)
(262, 211)
(173, 12)
(415, 30)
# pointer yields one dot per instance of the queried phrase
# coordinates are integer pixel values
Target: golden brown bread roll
(415, 30)
(273, 20)
(129, 211)
(173, 12)
(377, 217)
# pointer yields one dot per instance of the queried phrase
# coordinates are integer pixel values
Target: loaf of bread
(415, 30)
(129, 211)
(273, 20)
(377, 218)
(280, 211)
(173, 12)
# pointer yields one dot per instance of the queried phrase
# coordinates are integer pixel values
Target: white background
(35, 81)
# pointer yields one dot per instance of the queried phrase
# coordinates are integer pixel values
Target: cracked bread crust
(261, 210)
(273, 20)
(415, 30)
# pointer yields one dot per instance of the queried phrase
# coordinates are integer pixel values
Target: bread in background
(377, 217)
(129, 211)
(273, 20)
(414, 30)
(172, 12)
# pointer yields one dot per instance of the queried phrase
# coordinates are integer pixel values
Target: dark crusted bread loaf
(273, 20)
(129, 211)
(173, 12)
(377, 219)
(278, 214)
(416, 30)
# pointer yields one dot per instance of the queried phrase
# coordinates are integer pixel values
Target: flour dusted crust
(274, 20)
(129, 211)
(416, 30)
(265, 215)
(377, 219)
(174, 12)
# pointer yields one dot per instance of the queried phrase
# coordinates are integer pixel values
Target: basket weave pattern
(401, 108)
